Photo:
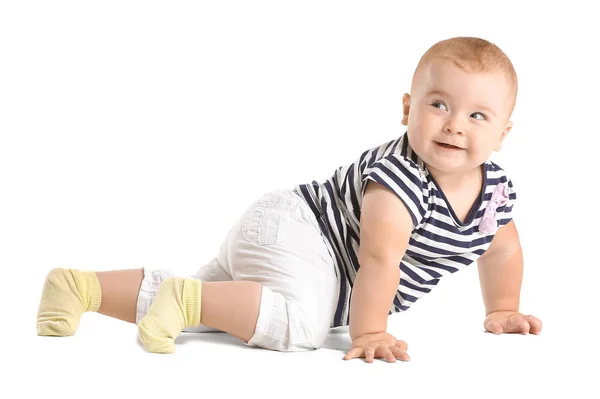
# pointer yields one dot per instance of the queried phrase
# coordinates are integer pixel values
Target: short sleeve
(403, 178)
(505, 213)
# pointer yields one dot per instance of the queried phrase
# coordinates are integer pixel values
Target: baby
(366, 243)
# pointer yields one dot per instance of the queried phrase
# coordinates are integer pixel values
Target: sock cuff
(89, 289)
(192, 299)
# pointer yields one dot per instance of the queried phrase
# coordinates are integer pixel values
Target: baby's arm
(385, 228)
(500, 275)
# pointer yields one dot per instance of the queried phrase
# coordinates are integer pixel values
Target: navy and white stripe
(440, 244)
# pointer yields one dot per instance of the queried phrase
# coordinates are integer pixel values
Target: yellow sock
(67, 293)
(177, 306)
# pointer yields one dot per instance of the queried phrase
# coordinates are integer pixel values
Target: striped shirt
(440, 243)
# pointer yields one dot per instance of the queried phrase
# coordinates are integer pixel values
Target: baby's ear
(405, 108)
(505, 131)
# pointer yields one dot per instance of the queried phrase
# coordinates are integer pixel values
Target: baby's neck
(456, 181)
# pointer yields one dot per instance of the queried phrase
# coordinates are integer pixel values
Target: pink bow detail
(488, 223)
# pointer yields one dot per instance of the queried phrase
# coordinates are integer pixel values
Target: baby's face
(464, 109)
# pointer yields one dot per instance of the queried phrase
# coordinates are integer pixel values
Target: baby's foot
(67, 293)
(177, 306)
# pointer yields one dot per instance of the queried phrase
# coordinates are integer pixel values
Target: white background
(132, 134)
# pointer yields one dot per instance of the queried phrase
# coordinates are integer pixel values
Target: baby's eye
(439, 105)
(479, 116)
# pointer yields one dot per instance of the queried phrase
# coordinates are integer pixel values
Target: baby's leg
(120, 289)
(279, 245)
(212, 271)
(68, 293)
(181, 303)
(285, 289)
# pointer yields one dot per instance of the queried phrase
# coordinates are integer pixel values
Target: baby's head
(463, 94)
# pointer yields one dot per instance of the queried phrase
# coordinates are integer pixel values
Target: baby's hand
(378, 345)
(512, 322)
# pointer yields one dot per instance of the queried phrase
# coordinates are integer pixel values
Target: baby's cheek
(480, 154)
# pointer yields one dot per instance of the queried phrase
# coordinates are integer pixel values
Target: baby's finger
(493, 326)
(534, 323)
(353, 353)
(401, 344)
(399, 353)
(369, 354)
(389, 356)
(518, 324)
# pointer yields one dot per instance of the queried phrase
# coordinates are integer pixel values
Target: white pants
(276, 242)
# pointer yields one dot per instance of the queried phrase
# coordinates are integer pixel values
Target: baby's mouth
(448, 146)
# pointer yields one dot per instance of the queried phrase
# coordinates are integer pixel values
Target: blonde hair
(471, 54)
